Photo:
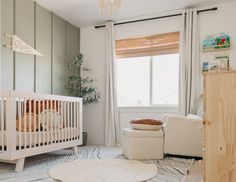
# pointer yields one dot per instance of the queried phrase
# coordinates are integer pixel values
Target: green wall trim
(52, 50)
(14, 54)
(35, 43)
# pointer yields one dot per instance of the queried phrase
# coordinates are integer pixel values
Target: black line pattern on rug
(170, 169)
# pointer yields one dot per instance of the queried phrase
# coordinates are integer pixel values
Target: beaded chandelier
(109, 7)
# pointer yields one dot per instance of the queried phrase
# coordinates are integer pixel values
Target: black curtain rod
(155, 18)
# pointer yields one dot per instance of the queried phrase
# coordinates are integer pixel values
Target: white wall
(93, 46)
(222, 20)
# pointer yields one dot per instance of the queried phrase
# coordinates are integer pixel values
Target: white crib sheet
(40, 137)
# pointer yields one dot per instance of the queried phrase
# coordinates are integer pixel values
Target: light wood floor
(195, 174)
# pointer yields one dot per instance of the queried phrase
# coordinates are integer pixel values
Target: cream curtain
(112, 128)
(189, 78)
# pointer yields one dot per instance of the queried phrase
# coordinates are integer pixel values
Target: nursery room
(118, 90)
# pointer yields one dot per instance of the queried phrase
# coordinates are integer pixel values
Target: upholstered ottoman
(139, 144)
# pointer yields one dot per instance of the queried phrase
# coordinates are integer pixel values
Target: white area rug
(37, 167)
(113, 170)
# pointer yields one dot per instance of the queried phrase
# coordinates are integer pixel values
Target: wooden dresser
(219, 127)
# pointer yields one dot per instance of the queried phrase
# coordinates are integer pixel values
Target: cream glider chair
(183, 135)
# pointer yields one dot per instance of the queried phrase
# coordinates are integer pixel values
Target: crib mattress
(41, 137)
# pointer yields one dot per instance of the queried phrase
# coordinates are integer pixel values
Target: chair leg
(20, 165)
(75, 150)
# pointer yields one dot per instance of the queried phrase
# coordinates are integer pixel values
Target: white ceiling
(86, 13)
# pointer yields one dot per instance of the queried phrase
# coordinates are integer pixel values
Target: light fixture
(109, 7)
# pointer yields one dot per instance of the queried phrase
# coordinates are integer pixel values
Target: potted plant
(79, 86)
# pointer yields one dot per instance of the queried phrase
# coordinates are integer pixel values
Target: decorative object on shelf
(220, 41)
(109, 7)
(18, 45)
(224, 61)
(205, 66)
(214, 66)
(79, 86)
(220, 62)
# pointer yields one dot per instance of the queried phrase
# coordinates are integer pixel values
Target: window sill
(151, 107)
(160, 108)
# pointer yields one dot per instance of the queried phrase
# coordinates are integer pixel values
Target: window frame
(151, 105)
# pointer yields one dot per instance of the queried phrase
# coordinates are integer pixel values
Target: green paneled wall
(7, 65)
(55, 38)
(24, 28)
(44, 45)
(59, 54)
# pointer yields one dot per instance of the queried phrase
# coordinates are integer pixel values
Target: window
(150, 80)
(147, 78)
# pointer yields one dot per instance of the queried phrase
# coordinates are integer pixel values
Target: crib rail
(2, 123)
(30, 122)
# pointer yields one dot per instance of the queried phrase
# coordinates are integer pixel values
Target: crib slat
(77, 114)
(71, 126)
(51, 122)
(34, 121)
(47, 122)
(43, 120)
(74, 121)
(64, 120)
(25, 137)
(30, 123)
(19, 121)
(2, 123)
(55, 124)
(60, 127)
(68, 119)
(39, 129)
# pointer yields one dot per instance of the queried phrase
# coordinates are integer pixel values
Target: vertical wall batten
(35, 43)
(59, 56)
(52, 50)
(43, 45)
(24, 73)
(0, 51)
(14, 54)
(67, 58)
(7, 74)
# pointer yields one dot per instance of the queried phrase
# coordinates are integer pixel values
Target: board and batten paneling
(55, 38)
(7, 18)
(59, 69)
(24, 26)
(43, 45)
(72, 41)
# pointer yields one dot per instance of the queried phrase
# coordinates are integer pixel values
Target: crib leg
(20, 165)
(75, 150)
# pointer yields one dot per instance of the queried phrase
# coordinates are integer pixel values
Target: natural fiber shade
(116, 170)
(167, 43)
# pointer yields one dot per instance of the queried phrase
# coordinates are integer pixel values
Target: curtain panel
(112, 127)
(189, 77)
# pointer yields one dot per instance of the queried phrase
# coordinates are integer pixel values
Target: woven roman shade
(167, 43)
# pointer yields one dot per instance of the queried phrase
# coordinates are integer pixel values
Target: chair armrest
(183, 136)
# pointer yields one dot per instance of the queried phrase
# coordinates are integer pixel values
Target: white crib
(32, 124)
